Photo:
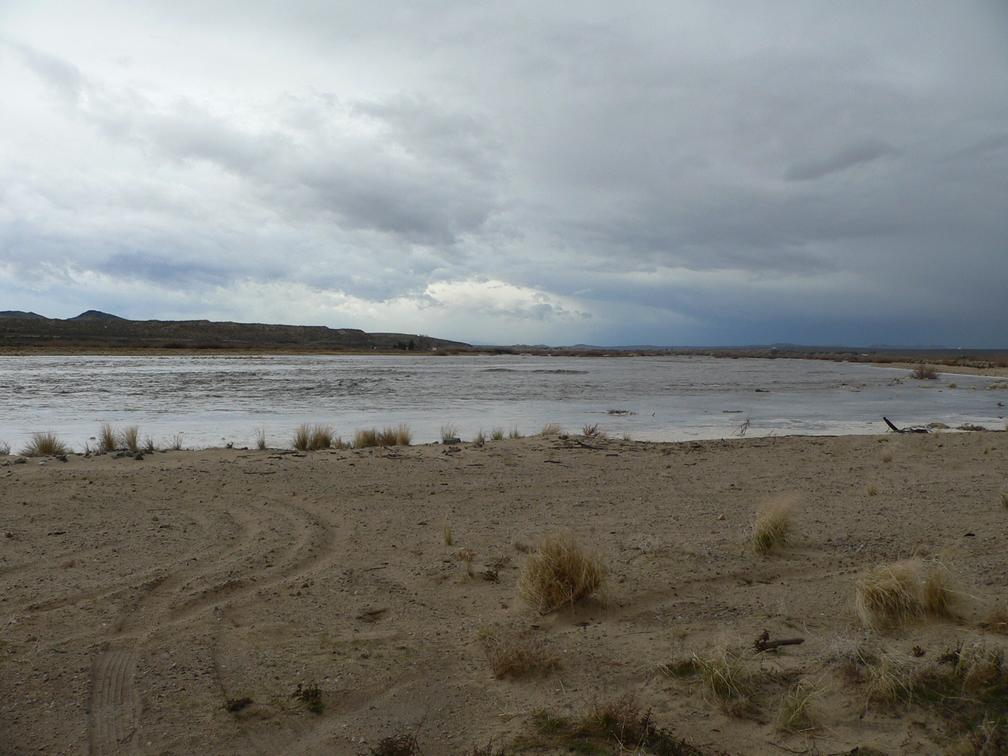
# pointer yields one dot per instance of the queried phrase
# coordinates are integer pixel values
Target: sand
(139, 597)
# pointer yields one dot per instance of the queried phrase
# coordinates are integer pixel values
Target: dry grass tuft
(466, 556)
(4, 449)
(365, 438)
(924, 372)
(618, 725)
(497, 434)
(517, 656)
(107, 439)
(311, 437)
(479, 439)
(889, 681)
(891, 595)
(559, 573)
(449, 538)
(872, 490)
(726, 678)
(46, 444)
(592, 431)
(551, 429)
(399, 435)
(449, 434)
(403, 744)
(795, 713)
(149, 447)
(129, 437)
(1004, 500)
(260, 439)
(176, 442)
(514, 433)
(772, 527)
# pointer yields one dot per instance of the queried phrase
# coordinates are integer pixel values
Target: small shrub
(399, 435)
(310, 696)
(321, 437)
(795, 713)
(449, 434)
(149, 447)
(559, 573)
(107, 439)
(591, 431)
(513, 433)
(497, 434)
(176, 442)
(261, 438)
(923, 372)
(725, 678)
(403, 744)
(891, 595)
(4, 449)
(129, 437)
(44, 444)
(517, 656)
(772, 527)
(551, 429)
(479, 439)
(366, 438)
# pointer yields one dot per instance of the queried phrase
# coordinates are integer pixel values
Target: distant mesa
(96, 315)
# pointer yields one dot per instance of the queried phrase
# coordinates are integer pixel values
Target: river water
(214, 400)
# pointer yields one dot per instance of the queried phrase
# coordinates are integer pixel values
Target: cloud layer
(672, 173)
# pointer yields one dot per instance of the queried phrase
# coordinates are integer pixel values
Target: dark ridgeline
(99, 330)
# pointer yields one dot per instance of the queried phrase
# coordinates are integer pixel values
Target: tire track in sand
(115, 704)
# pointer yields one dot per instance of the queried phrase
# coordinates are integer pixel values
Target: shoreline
(197, 579)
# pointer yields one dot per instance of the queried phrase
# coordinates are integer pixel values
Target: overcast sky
(664, 173)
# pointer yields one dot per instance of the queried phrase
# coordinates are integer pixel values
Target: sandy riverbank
(138, 597)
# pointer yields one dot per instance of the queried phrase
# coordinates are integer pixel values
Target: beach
(316, 595)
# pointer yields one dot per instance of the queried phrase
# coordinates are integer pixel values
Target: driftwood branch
(763, 643)
(894, 429)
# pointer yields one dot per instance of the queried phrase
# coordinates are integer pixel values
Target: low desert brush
(726, 678)
(497, 434)
(107, 439)
(398, 435)
(795, 713)
(129, 437)
(559, 573)
(4, 449)
(551, 429)
(176, 442)
(312, 437)
(260, 438)
(516, 656)
(514, 433)
(889, 681)
(592, 431)
(402, 744)
(772, 527)
(449, 434)
(149, 447)
(366, 438)
(924, 372)
(891, 595)
(45, 444)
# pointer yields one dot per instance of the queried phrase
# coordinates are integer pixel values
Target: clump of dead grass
(395, 435)
(4, 449)
(312, 437)
(616, 725)
(772, 527)
(726, 679)
(514, 433)
(559, 573)
(551, 429)
(107, 439)
(480, 438)
(129, 437)
(796, 712)
(44, 444)
(365, 438)
(497, 434)
(517, 656)
(894, 594)
(401, 744)
(260, 439)
(449, 434)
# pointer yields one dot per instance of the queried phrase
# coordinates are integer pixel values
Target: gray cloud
(668, 173)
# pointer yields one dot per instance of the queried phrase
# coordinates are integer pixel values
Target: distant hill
(94, 329)
(20, 314)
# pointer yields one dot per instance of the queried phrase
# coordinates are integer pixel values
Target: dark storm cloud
(666, 172)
